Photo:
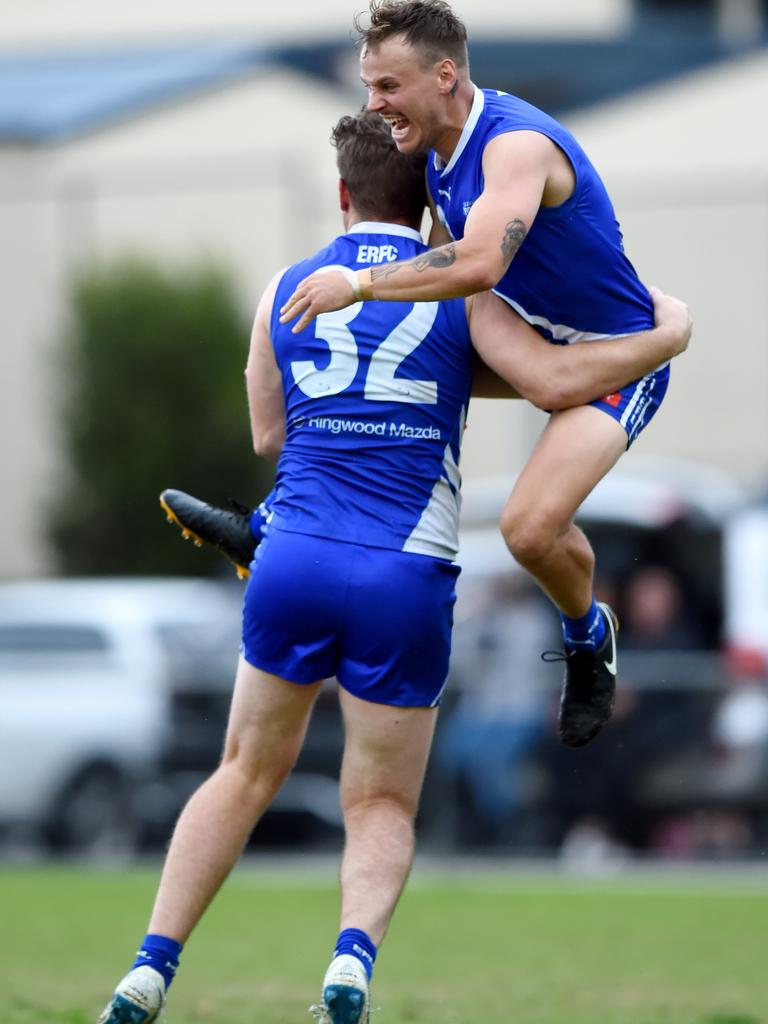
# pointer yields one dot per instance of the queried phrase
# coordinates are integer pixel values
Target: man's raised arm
(516, 167)
(524, 364)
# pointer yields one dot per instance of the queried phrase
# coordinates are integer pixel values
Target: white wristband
(351, 276)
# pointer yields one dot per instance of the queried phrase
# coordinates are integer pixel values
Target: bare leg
(575, 451)
(267, 724)
(385, 757)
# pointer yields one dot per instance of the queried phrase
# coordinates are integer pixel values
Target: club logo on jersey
(377, 253)
(468, 206)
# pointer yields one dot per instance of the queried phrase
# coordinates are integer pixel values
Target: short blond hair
(429, 26)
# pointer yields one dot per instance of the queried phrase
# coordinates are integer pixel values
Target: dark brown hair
(383, 183)
(429, 26)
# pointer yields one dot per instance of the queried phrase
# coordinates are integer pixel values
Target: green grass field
(482, 948)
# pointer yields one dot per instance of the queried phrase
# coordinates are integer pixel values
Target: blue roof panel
(48, 97)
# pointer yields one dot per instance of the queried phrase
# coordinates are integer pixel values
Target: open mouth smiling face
(398, 89)
(398, 125)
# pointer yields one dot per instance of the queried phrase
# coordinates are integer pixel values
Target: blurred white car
(746, 590)
(88, 671)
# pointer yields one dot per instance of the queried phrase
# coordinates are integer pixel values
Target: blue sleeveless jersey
(570, 278)
(375, 396)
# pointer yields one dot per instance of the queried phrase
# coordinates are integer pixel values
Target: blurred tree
(155, 399)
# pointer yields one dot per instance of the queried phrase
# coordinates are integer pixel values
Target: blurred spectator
(652, 724)
(712, 778)
(654, 615)
(502, 711)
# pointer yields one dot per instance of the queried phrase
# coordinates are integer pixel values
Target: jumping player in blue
(355, 576)
(517, 208)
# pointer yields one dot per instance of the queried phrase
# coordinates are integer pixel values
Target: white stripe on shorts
(638, 394)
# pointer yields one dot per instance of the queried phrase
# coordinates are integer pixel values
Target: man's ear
(448, 77)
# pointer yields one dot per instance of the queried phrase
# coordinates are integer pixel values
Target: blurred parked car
(89, 672)
(746, 586)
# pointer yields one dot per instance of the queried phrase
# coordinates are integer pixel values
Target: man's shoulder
(508, 113)
(502, 113)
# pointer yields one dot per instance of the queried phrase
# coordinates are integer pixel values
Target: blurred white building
(37, 22)
(212, 145)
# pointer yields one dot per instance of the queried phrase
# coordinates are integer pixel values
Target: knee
(392, 807)
(528, 537)
(256, 775)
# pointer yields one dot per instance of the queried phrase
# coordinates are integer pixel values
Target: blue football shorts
(636, 404)
(378, 620)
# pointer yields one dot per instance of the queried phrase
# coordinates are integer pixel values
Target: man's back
(375, 400)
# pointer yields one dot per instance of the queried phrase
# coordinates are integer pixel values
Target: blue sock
(357, 943)
(161, 953)
(586, 633)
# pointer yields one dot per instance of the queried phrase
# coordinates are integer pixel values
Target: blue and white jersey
(376, 396)
(570, 278)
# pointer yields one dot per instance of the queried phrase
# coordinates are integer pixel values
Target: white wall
(687, 166)
(36, 22)
(244, 173)
(30, 308)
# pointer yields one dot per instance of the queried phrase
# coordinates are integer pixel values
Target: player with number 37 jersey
(375, 401)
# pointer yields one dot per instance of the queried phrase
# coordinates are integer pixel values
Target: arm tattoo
(385, 270)
(514, 236)
(443, 256)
